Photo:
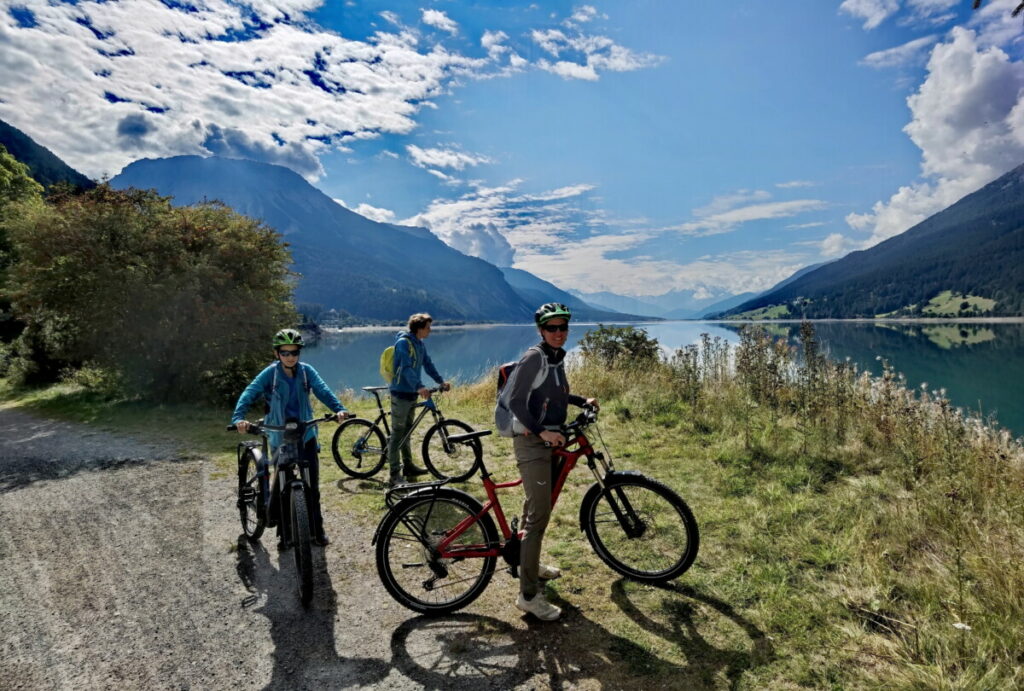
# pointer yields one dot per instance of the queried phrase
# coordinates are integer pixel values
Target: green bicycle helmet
(551, 310)
(287, 337)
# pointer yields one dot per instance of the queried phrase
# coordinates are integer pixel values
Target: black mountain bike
(279, 494)
(360, 447)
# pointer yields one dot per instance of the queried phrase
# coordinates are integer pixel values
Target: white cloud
(440, 20)
(727, 221)
(994, 25)
(141, 79)
(494, 43)
(836, 244)
(968, 121)
(794, 183)
(873, 12)
(590, 55)
(813, 224)
(375, 213)
(583, 14)
(909, 53)
(726, 202)
(443, 158)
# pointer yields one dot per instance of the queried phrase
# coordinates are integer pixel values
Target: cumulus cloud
(911, 52)
(583, 14)
(873, 12)
(140, 78)
(439, 20)
(727, 221)
(491, 222)
(443, 158)
(968, 121)
(494, 43)
(583, 56)
(835, 245)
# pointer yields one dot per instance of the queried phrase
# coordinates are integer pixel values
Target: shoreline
(330, 330)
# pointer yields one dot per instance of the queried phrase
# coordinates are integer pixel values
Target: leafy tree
(616, 345)
(165, 297)
(16, 186)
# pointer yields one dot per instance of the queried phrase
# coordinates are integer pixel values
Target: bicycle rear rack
(400, 492)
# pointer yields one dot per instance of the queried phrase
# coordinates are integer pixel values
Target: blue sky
(636, 147)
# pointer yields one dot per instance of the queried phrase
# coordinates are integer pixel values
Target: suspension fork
(624, 512)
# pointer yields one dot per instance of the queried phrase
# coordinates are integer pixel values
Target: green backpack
(387, 362)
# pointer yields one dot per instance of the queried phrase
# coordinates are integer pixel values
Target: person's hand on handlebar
(242, 426)
(552, 437)
(424, 392)
(343, 415)
(592, 403)
(446, 386)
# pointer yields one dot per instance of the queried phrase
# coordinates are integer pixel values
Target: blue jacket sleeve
(323, 392)
(428, 365)
(258, 388)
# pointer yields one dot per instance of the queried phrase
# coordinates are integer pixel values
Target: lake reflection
(981, 365)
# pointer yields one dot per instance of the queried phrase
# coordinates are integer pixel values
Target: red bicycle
(437, 547)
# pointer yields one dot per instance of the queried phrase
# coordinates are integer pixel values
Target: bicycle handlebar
(260, 426)
(587, 417)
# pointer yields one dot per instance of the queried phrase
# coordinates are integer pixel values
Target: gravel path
(121, 567)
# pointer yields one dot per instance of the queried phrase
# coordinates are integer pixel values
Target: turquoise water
(981, 365)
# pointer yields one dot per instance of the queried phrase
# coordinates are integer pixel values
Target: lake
(980, 364)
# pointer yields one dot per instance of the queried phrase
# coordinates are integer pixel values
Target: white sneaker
(539, 607)
(548, 573)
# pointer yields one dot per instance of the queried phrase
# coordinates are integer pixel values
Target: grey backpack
(504, 420)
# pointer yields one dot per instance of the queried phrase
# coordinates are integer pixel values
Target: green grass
(847, 527)
(949, 304)
(770, 312)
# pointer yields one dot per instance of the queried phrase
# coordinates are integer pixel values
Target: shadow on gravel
(354, 485)
(304, 644)
(19, 472)
(681, 628)
(466, 651)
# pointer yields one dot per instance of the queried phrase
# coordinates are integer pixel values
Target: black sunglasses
(289, 353)
(552, 328)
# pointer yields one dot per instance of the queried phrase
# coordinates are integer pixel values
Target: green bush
(617, 345)
(163, 297)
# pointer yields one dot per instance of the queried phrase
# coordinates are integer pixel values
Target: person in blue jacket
(285, 385)
(410, 360)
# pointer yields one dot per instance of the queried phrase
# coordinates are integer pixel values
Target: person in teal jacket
(410, 360)
(285, 385)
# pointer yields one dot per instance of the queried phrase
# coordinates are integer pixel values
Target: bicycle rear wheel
(250, 497)
(460, 461)
(302, 544)
(641, 528)
(359, 447)
(407, 561)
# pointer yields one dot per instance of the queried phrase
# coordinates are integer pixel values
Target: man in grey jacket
(540, 408)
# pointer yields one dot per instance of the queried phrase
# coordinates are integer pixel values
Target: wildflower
(962, 626)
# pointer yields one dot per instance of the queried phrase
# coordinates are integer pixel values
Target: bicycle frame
(566, 457)
(428, 405)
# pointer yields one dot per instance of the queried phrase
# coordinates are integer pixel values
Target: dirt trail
(121, 566)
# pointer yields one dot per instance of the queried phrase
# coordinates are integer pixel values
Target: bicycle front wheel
(250, 497)
(302, 544)
(641, 528)
(359, 447)
(408, 563)
(457, 462)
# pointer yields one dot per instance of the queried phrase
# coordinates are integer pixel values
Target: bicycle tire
(451, 466)
(665, 540)
(405, 566)
(302, 544)
(250, 497)
(354, 450)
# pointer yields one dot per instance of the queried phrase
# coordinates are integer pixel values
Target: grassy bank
(854, 534)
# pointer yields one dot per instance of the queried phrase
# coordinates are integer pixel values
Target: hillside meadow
(853, 533)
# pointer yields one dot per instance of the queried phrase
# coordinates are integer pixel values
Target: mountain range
(970, 255)
(45, 167)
